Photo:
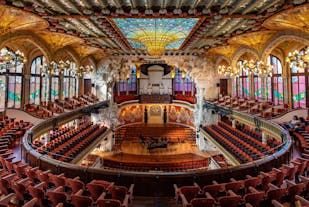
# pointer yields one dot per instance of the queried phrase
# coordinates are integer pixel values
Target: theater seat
(232, 200)
(203, 202)
(78, 200)
(30, 203)
(108, 203)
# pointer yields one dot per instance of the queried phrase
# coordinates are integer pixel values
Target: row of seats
(263, 109)
(247, 138)
(11, 131)
(32, 187)
(237, 152)
(70, 143)
(283, 185)
(180, 166)
(49, 109)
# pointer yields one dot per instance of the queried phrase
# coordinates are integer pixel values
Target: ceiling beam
(210, 3)
(226, 3)
(238, 5)
(274, 2)
(132, 4)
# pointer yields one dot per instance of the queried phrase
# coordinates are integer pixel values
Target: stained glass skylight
(156, 34)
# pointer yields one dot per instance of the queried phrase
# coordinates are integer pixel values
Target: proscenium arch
(241, 51)
(30, 37)
(282, 36)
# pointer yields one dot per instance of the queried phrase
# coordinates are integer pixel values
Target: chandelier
(228, 71)
(9, 59)
(56, 67)
(257, 67)
(84, 69)
(299, 59)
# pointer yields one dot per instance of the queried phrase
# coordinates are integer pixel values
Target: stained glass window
(36, 95)
(14, 91)
(2, 92)
(277, 95)
(258, 90)
(243, 82)
(299, 91)
(132, 80)
(55, 88)
(178, 82)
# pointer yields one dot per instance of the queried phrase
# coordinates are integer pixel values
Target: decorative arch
(241, 51)
(282, 36)
(220, 59)
(30, 37)
(66, 53)
(89, 60)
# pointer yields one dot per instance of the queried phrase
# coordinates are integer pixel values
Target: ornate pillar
(25, 90)
(61, 86)
(287, 88)
(81, 90)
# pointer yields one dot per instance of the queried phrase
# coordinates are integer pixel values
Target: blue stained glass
(133, 27)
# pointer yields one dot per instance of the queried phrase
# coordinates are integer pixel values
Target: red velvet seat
(95, 190)
(232, 200)
(108, 203)
(81, 201)
(202, 202)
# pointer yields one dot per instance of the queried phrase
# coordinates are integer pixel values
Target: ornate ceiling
(221, 24)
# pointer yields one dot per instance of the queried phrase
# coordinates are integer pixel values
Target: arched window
(299, 79)
(276, 86)
(69, 82)
(11, 82)
(183, 84)
(38, 82)
(258, 90)
(129, 85)
(243, 83)
(178, 82)
(54, 91)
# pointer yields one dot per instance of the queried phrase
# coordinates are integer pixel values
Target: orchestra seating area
(262, 109)
(174, 133)
(48, 109)
(66, 143)
(240, 144)
(283, 185)
(22, 185)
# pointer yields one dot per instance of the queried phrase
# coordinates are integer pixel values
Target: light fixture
(9, 59)
(228, 71)
(299, 59)
(258, 68)
(84, 69)
(56, 67)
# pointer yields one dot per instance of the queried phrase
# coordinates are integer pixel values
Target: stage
(133, 153)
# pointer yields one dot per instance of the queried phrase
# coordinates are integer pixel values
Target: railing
(155, 183)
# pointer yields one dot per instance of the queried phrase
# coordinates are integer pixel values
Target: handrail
(88, 173)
